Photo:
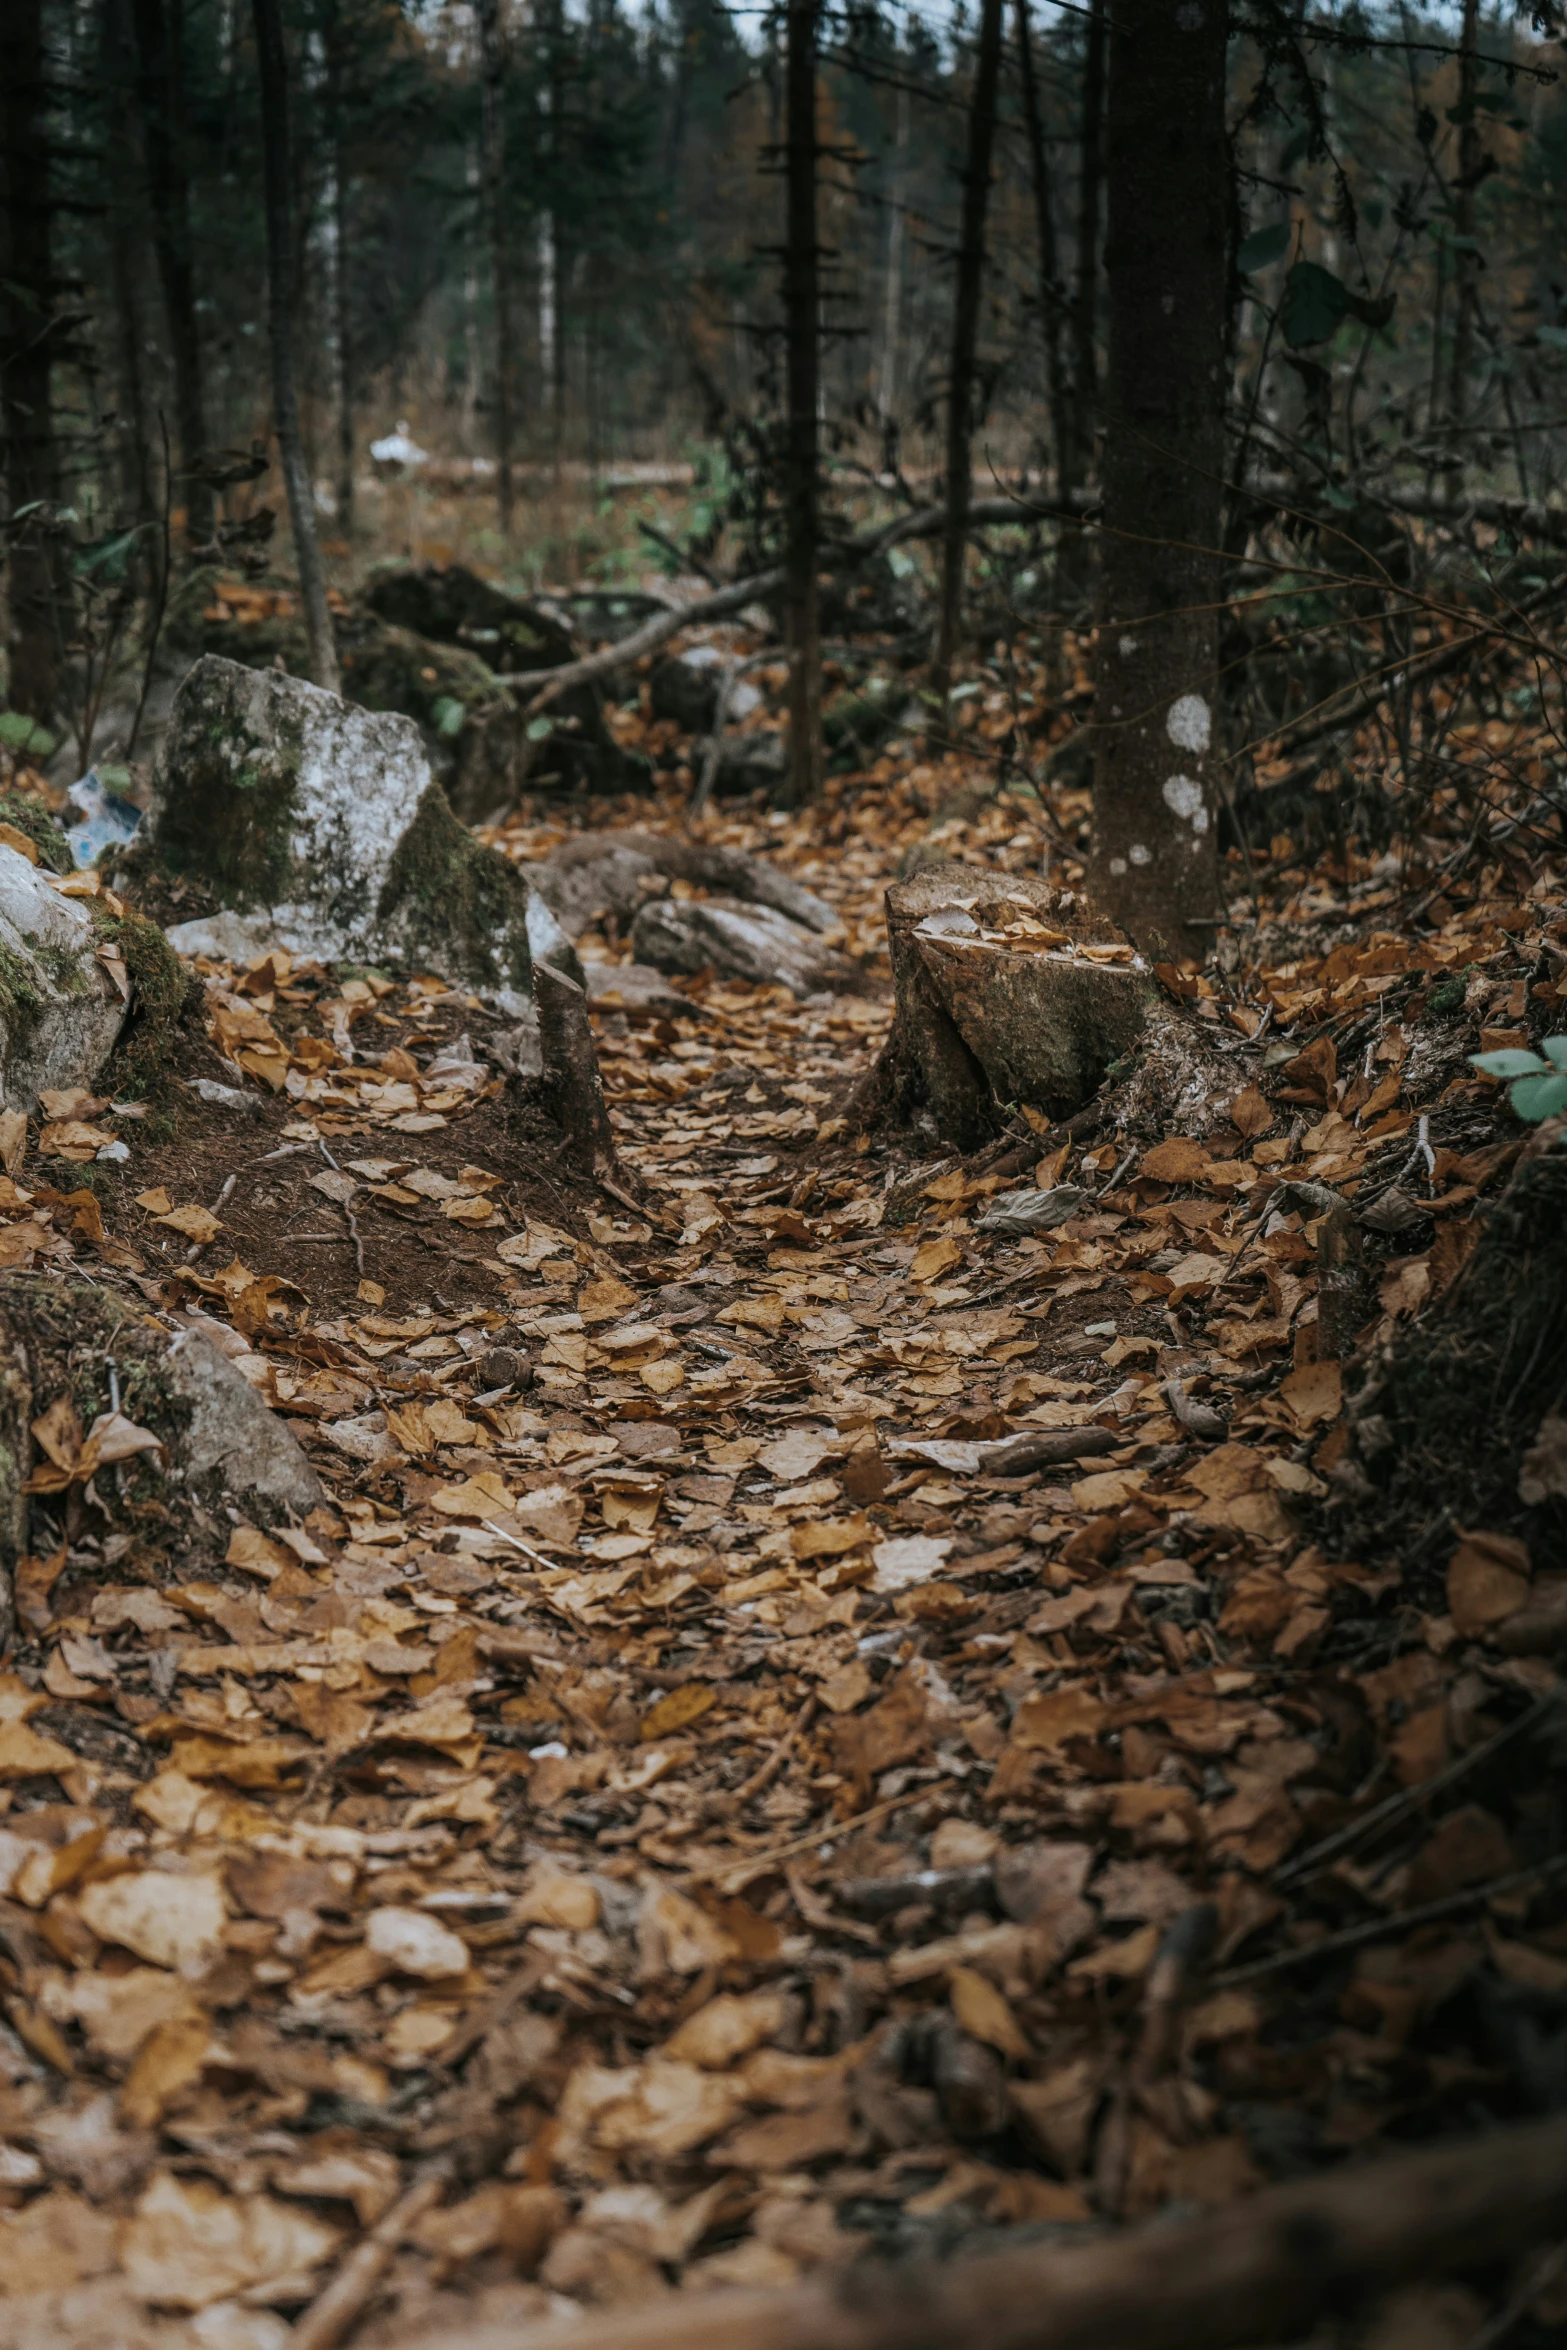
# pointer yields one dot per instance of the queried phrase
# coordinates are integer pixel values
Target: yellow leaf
(196, 1223)
(1314, 1392)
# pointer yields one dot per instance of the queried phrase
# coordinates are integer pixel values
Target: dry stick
(338, 2308)
(767, 1771)
(751, 1864)
(1268, 2265)
(1408, 1799)
(1398, 1921)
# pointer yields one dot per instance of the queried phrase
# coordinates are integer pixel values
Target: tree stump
(1008, 992)
(573, 1088)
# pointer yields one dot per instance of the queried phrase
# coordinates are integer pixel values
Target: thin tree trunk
(1466, 260)
(965, 337)
(1051, 304)
(160, 40)
(1073, 559)
(492, 56)
(802, 306)
(892, 302)
(272, 75)
(1154, 865)
(126, 176)
(27, 290)
(342, 352)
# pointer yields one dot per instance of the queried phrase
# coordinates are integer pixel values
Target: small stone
(416, 1944)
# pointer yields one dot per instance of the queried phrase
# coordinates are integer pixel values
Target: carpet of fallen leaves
(696, 1804)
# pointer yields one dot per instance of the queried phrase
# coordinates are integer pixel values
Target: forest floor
(687, 1809)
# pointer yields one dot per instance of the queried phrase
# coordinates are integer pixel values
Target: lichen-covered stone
(60, 1012)
(320, 828)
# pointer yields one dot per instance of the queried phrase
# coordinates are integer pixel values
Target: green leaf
(448, 714)
(1264, 246)
(1513, 1062)
(1535, 1098)
(18, 732)
(540, 729)
(1314, 303)
(1555, 1050)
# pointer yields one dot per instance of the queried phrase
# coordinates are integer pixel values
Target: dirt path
(699, 1796)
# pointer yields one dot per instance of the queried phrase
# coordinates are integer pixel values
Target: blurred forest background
(549, 278)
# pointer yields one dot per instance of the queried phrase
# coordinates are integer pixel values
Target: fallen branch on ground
(1269, 2265)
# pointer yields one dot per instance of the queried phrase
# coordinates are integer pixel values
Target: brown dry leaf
(188, 2244)
(167, 2062)
(727, 2029)
(172, 1921)
(985, 2014)
(1487, 1581)
(934, 1257)
(678, 1710)
(1175, 1161)
(1251, 1113)
(1313, 1393)
(156, 1202)
(1045, 1721)
(194, 1223)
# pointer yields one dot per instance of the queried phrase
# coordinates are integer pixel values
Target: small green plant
(1539, 1088)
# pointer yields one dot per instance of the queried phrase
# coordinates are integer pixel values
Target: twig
(1409, 1799)
(348, 1213)
(768, 1770)
(1398, 1921)
(543, 685)
(338, 2307)
(749, 1864)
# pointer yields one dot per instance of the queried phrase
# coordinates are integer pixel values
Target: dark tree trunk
(802, 303)
(126, 178)
(1154, 865)
(1073, 562)
(1063, 423)
(341, 313)
(27, 289)
(272, 74)
(492, 58)
(965, 337)
(159, 49)
(1466, 260)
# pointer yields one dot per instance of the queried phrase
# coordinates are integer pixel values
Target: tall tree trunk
(272, 74)
(1074, 555)
(965, 337)
(342, 350)
(160, 40)
(492, 56)
(1466, 260)
(1051, 305)
(802, 308)
(126, 177)
(27, 290)
(892, 298)
(1154, 865)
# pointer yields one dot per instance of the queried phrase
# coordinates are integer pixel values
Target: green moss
(32, 817)
(226, 802)
(455, 901)
(160, 985)
(20, 1001)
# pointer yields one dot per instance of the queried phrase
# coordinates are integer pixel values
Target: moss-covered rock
(159, 987)
(60, 1011)
(30, 816)
(319, 827)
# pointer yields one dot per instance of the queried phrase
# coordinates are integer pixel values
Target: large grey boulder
(61, 1010)
(319, 827)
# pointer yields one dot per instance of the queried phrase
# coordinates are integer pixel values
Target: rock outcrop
(64, 986)
(318, 826)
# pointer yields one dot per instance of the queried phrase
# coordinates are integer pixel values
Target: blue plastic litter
(104, 819)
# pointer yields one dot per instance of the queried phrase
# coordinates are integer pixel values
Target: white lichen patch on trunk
(1190, 724)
